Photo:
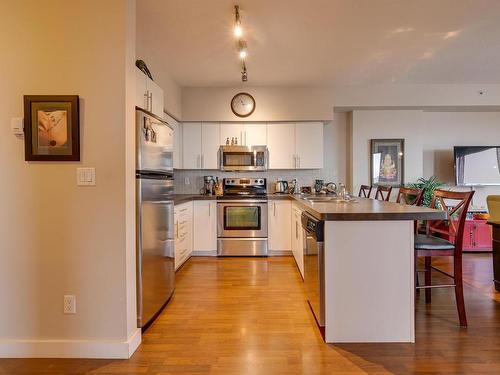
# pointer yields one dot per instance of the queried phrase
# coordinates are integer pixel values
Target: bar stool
(365, 191)
(445, 238)
(381, 189)
(410, 196)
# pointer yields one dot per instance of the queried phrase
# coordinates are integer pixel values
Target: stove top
(244, 188)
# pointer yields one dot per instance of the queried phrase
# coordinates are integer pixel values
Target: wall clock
(243, 104)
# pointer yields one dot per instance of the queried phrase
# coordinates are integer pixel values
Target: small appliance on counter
(208, 185)
(281, 187)
(242, 217)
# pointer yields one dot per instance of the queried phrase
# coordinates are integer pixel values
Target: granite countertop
(360, 209)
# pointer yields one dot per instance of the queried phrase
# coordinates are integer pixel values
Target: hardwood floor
(249, 316)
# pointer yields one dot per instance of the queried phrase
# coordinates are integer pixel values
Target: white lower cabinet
(297, 238)
(205, 227)
(279, 228)
(183, 233)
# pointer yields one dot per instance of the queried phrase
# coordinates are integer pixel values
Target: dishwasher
(314, 266)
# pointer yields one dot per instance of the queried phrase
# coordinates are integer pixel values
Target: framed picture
(387, 162)
(51, 128)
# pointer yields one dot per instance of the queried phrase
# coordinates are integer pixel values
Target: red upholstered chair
(445, 238)
(365, 191)
(383, 190)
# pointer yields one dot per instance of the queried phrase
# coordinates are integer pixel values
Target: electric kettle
(281, 187)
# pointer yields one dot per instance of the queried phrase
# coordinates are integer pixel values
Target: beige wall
(289, 103)
(429, 140)
(58, 238)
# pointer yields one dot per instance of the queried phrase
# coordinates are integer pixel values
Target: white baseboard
(201, 253)
(71, 348)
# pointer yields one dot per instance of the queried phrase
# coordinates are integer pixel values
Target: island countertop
(363, 209)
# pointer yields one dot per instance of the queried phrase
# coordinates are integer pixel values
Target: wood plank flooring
(250, 316)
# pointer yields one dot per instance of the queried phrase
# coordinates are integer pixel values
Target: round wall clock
(243, 104)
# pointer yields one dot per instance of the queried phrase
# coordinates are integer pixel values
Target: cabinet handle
(298, 158)
(209, 210)
(150, 97)
(202, 161)
(177, 230)
(146, 100)
(274, 209)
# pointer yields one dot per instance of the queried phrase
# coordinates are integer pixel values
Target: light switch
(16, 124)
(85, 176)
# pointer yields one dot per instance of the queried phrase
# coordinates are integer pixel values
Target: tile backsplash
(195, 178)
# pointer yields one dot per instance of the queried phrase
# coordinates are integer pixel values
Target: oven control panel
(244, 182)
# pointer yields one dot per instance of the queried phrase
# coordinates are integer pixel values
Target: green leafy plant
(429, 184)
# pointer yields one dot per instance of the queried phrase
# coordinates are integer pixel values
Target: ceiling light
(242, 49)
(238, 31)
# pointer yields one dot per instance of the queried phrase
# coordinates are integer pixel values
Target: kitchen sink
(323, 199)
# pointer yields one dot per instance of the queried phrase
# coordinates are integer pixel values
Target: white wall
(429, 140)
(58, 238)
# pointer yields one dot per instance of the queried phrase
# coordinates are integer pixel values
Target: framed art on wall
(387, 162)
(51, 127)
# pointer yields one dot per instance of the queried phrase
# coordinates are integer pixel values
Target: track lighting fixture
(241, 44)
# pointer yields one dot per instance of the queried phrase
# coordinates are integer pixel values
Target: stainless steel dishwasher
(314, 266)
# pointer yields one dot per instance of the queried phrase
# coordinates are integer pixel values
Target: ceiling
(324, 42)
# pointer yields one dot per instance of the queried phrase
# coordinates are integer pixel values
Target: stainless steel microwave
(243, 158)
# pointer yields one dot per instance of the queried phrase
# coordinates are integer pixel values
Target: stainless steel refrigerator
(155, 216)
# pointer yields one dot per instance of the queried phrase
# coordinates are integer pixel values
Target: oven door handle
(239, 202)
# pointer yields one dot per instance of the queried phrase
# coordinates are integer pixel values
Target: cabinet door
(140, 90)
(255, 134)
(205, 225)
(297, 239)
(309, 145)
(281, 145)
(210, 142)
(279, 220)
(177, 140)
(231, 130)
(156, 102)
(483, 238)
(191, 145)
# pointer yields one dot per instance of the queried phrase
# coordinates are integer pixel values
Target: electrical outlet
(69, 304)
(186, 181)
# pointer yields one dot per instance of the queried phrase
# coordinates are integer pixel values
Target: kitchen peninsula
(368, 263)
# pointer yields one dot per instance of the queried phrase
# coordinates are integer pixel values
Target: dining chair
(381, 190)
(445, 238)
(410, 196)
(365, 191)
(494, 207)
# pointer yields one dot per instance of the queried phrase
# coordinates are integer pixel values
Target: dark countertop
(361, 209)
(495, 223)
(183, 198)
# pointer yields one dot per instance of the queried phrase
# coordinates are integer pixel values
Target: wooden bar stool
(410, 196)
(365, 191)
(381, 190)
(445, 238)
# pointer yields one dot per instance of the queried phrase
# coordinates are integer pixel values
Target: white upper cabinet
(141, 98)
(255, 134)
(281, 145)
(177, 140)
(148, 95)
(231, 130)
(309, 145)
(191, 145)
(210, 143)
(156, 98)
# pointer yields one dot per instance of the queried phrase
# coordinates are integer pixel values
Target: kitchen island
(368, 268)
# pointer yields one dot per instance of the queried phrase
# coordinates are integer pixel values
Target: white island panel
(369, 281)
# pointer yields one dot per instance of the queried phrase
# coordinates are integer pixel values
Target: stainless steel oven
(243, 158)
(242, 218)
